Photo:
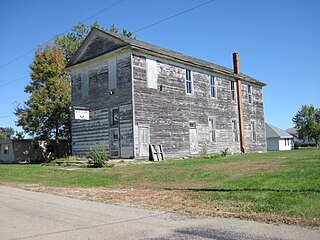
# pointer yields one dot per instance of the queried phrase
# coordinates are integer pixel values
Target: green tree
(6, 132)
(46, 114)
(307, 122)
(19, 135)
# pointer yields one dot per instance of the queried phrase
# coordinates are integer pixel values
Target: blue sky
(278, 41)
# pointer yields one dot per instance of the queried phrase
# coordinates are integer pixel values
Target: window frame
(6, 149)
(213, 87)
(112, 74)
(233, 91)
(114, 112)
(235, 134)
(85, 82)
(253, 128)
(189, 82)
(249, 91)
(192, 124)
(152, 73)
(212, 131)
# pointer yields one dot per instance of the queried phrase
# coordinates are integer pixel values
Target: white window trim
(235, 130)
(191, 80)
(215, 85)
(211, 130)
(234, 90)
(253, 131)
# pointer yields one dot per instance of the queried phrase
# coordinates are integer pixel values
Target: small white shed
(278, 139)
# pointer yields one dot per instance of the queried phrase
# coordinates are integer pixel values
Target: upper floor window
(253, 131)
(213, 86)
(112, 74)
(249, 94)
(233, 90)
(212, 129)
(188, 81)
(84, 83)
(152, 74)
(235, 131)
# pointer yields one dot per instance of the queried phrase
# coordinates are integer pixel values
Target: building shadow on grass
(311, 190)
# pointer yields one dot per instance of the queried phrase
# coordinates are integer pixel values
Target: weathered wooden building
(32, 151)
(133, 94)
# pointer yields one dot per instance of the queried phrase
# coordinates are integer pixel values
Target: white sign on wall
(81, 114)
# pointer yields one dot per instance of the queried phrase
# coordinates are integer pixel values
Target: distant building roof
(292, 131)
(274, 132)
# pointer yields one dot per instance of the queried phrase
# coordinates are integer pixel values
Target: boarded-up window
(84, 83)
(112, 73)
(212, 129)
(152, 74)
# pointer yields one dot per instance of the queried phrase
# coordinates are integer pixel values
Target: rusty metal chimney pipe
(236, 69)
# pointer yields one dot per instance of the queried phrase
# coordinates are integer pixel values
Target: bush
(225, 152)
(98, 157)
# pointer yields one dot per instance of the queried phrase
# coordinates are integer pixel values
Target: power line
(141, 29)
(16, 80)
(173, 16)
(7, 116)
(85, 20)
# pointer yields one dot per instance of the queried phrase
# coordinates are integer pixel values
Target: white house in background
(300, 142)
(278, 139)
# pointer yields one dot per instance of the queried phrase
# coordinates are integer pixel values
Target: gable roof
(293, 131)
(274, 132)
(150, 48)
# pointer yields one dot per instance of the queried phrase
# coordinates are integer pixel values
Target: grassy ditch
(274, 186)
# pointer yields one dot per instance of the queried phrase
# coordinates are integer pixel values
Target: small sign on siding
(81, 114)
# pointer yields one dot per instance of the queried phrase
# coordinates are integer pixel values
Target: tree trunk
(57, 155)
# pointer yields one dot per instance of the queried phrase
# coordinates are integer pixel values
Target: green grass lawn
(285, 183)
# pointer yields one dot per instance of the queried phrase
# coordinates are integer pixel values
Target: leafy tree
(19, 135)
(46, 114)
(307, 122)
(6, 132)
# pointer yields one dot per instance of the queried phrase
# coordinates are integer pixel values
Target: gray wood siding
(98, 45)
(86, 134)
(169, 111)
(254, 112)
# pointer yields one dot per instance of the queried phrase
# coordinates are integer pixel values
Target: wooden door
(114, 142)
(193, 138)
(144, 141)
